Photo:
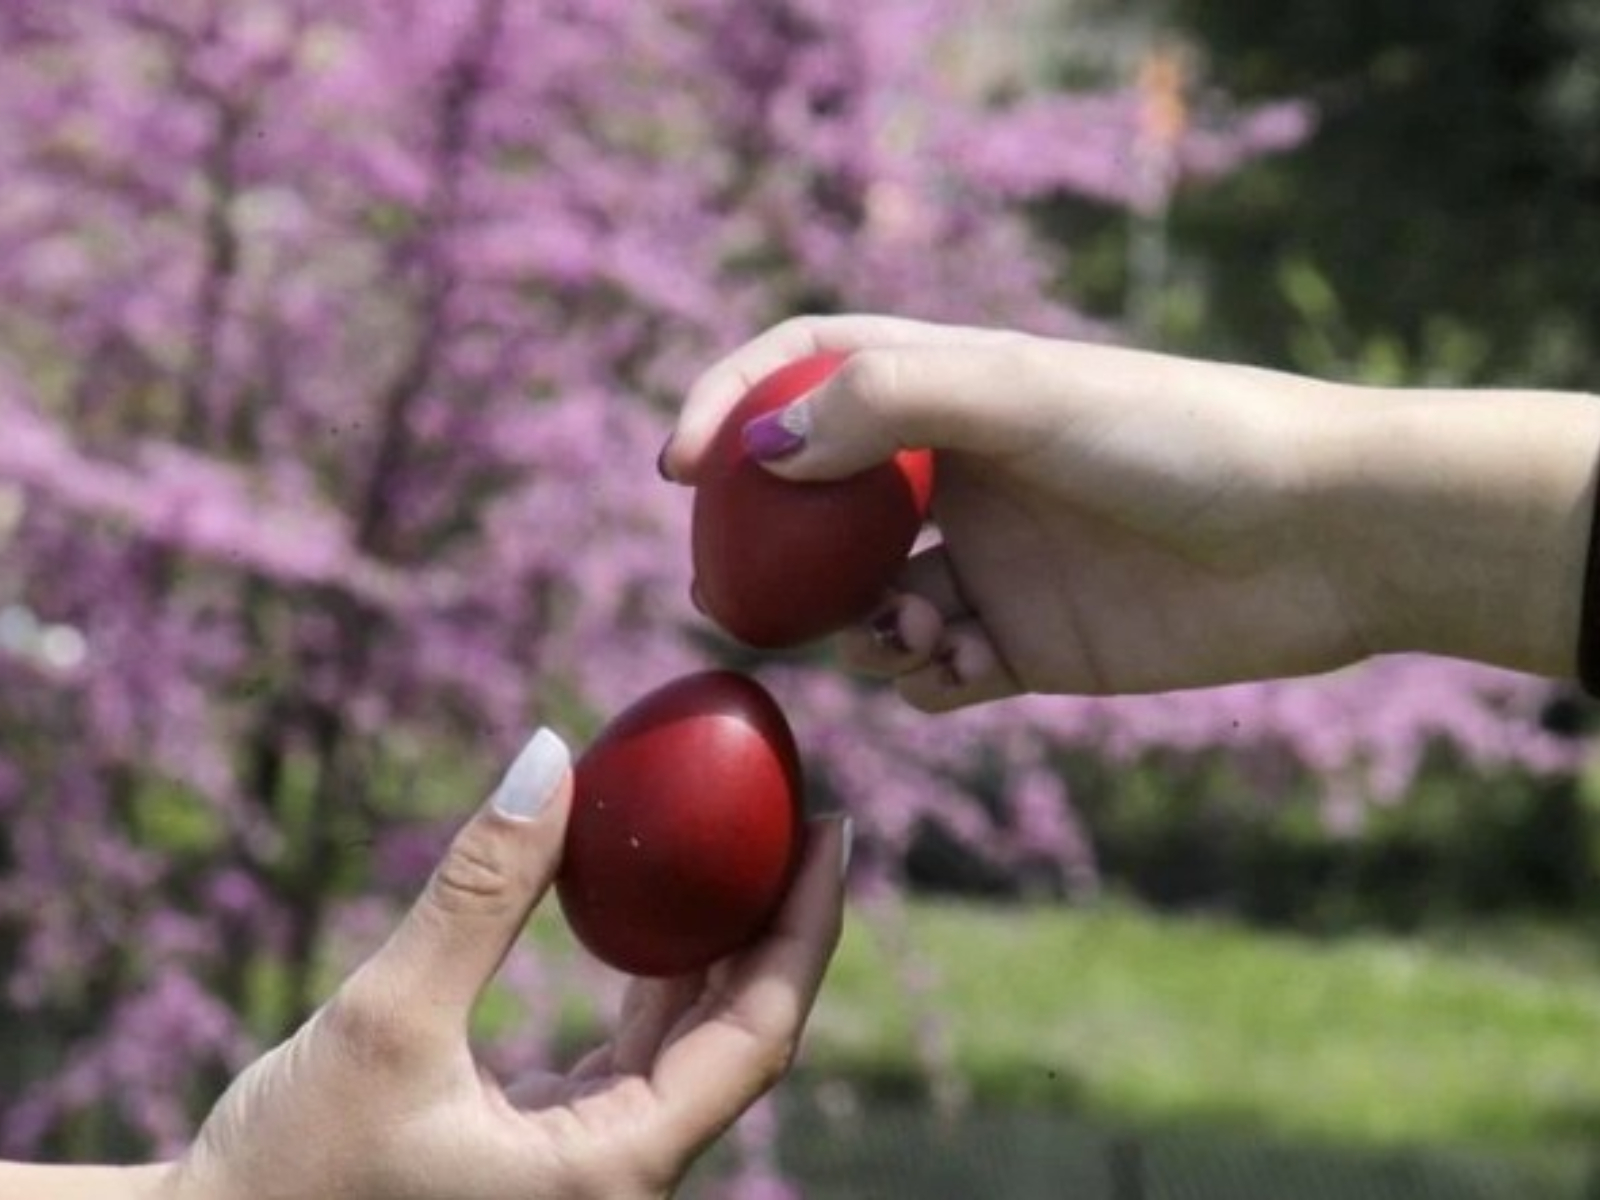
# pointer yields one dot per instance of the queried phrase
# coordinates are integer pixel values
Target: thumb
(473, 909)
(886, 399)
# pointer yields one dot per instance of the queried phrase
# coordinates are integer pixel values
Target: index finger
(739, 1048)
(712, 396)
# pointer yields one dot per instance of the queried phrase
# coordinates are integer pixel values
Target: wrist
(1457, 523)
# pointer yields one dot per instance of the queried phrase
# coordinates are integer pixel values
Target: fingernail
(697, 597)
(847, 839)
(886, 630)
(949, 669)
(661, 462)
(533, 777)
(778, 434)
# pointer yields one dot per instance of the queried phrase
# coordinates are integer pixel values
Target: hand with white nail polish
(379, 1096)
(1118, 521)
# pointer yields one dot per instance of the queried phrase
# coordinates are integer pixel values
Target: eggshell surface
(686, 826)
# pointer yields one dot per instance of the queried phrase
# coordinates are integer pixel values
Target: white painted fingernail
(533, 777)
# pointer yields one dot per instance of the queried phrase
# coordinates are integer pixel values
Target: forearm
(1459, 521)
(28, 1181)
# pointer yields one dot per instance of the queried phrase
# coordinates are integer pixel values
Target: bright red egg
(686, 826)
(779, 563)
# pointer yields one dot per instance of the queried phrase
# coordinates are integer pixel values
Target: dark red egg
(686, 826)
(779, 563)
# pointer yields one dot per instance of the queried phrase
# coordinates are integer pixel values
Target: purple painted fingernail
(778, 434)
(886, 631)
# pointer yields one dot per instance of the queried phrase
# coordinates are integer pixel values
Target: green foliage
(1461, 845)
(1446, 199)
(1323, 340)
(1261, 843)
(176, 821)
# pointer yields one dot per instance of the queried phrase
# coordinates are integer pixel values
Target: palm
(654, 1013)
(603, 1117)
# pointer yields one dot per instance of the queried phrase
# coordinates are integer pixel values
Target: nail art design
(778, 434)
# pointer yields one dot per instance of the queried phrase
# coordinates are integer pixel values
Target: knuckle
(477, 876)
(773, 1045)
(800, 325)
(773, 1065)
(874, 378)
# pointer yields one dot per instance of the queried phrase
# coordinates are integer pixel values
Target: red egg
(778, 563)
(686, 826)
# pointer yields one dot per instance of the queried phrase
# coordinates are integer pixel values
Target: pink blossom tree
(338, 341)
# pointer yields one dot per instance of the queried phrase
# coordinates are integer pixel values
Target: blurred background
(337, 342)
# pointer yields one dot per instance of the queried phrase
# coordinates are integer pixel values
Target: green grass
(1128, 1015)
(1375, 1061)
(1122, 1014)
(1484, 1039)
